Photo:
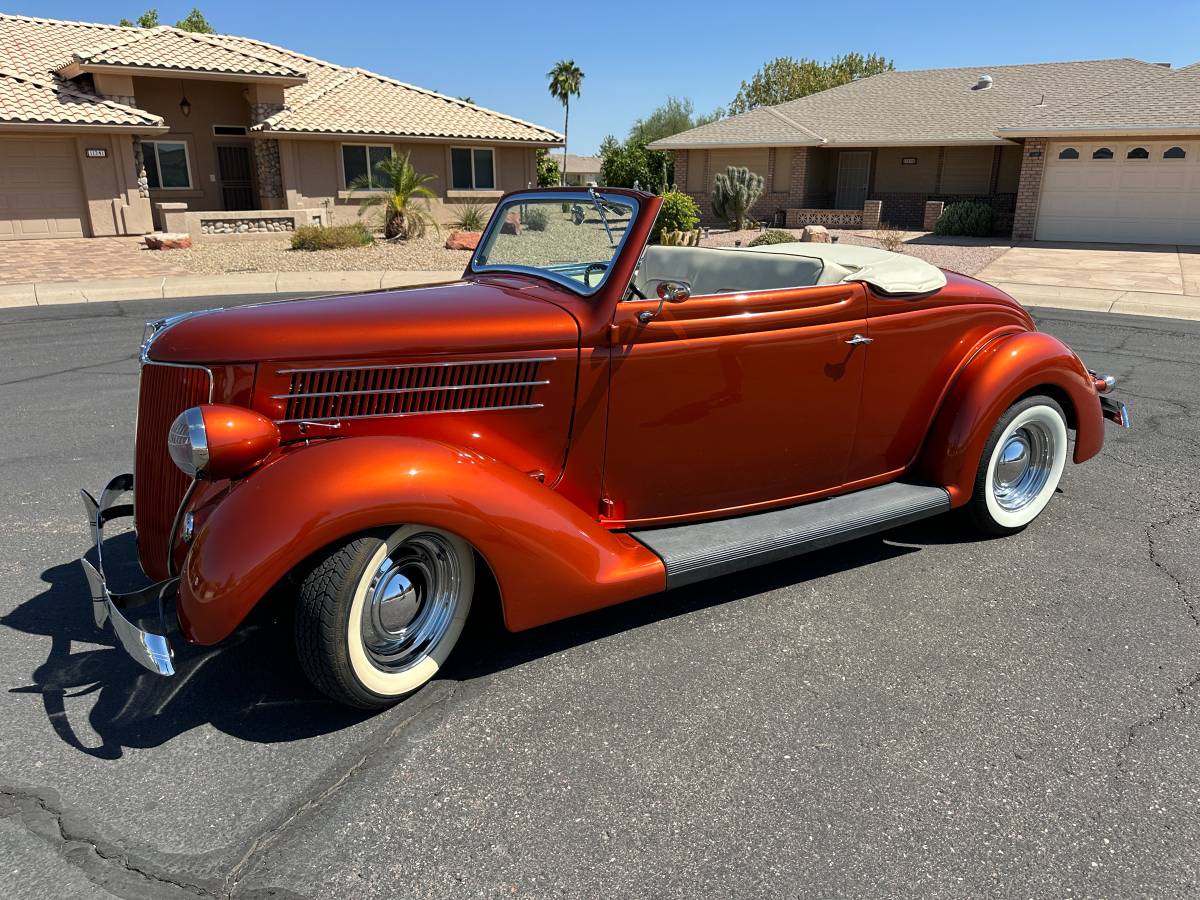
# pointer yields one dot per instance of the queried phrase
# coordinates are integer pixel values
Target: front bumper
(151, 650)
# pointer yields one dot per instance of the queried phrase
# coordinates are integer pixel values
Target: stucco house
(581, 170)
(104, 130)
(1098, 150)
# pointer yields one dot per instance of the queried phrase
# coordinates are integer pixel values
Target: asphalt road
(914, 715)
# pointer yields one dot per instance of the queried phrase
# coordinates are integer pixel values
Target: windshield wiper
(603, 217)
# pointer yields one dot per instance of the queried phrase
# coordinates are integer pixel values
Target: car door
(729, 401)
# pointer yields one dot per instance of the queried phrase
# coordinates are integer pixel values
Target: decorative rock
(816, 234)
(168, 240)
(463, 240)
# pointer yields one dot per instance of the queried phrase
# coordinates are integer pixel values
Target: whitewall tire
(1021, 466)
(379, 614)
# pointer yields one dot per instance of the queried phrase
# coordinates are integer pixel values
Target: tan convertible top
(892, 273)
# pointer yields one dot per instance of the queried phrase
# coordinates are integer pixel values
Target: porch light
(185, 105)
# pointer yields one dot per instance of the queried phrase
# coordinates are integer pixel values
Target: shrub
(890, 237)
(338, 237)
(973, 218)
(536, 218)
(471, 218)
(679, 212)
(734, 191)
(774, 236)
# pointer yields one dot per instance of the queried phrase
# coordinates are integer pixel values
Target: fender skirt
(999, 374)
(549, 558)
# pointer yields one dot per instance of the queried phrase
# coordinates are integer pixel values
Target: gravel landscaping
(959, 254)
(275, 255)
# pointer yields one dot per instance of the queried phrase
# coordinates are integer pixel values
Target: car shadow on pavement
(249, 685)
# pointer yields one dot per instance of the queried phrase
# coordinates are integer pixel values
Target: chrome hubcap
(411, 602)
(1023, 466)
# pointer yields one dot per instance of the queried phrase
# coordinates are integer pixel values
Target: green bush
(338, 237)
(679, 212)
(774, 236)
(974, 219)
(471, 218)
(536, 218)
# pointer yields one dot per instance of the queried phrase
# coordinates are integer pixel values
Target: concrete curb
(165, 287)
(1133, 303)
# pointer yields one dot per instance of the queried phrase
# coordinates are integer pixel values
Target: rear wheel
(378, 615)
(1021, 465)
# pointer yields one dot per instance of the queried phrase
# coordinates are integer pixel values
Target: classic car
(584, 418)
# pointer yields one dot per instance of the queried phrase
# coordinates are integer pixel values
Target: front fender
(549, 558)
(1000, 373)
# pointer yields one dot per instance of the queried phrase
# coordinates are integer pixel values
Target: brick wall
(771, 206)
(1029, 189)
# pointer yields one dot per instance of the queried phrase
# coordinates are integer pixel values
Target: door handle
(860, 339)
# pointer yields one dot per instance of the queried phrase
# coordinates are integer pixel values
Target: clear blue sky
(633, 55)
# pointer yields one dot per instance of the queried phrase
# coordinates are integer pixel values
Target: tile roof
(1169, 101)
(927, 106)
(363, 103)
(333, 99)
(175, 50)
(581, 165)
(25, 100)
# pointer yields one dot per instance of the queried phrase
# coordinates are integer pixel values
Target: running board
(708, 549)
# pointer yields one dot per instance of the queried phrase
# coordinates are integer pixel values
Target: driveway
(915, 714)
(1147, 279)
(73, 259)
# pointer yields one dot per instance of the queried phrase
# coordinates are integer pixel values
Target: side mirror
(673, 291)
(668, 292)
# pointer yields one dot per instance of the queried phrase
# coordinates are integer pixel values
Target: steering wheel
(587, 273)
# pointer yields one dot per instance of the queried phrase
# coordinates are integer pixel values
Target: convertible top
(892, 273)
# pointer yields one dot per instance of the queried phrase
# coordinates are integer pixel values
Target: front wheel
(379, 614)
(1021, 465)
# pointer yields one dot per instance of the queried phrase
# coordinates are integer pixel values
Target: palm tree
(565, 79)
(405, 200)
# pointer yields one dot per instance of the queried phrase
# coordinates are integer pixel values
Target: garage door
(1140, 192)
(40, 193)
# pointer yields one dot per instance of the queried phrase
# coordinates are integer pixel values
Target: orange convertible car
(581, 420)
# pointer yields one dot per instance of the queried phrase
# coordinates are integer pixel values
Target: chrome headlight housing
(187, 442)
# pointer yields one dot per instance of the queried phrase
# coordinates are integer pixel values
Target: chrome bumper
(151, 650)
(1113, 410)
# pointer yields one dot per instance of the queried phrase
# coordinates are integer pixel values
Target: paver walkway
(72, 259)
(1142, 278)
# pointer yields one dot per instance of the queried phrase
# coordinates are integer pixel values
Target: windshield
(570, 237)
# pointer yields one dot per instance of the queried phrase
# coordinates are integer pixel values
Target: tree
(565, 80)
(785, 78)
(547, 169)
(405, 200)
(672, 117)
(625, 163)
(194, 21)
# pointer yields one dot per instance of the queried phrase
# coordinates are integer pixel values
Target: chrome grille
(362, 392)
(158, 485)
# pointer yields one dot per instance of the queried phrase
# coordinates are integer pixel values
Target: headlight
(215, 442)
(188, 442)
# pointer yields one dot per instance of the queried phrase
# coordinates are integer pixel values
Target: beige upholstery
(720, 271)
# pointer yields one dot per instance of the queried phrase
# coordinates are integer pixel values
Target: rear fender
(999, 374)
(549, 558)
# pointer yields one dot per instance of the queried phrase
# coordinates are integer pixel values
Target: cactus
(734, 191)
(680, 238)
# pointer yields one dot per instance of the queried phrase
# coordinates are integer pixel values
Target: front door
(236, 171)
(727, 401)
(854, 173)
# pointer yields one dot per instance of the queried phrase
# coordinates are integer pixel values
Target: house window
(1102, 153)
(358, 166)
(230, 130)
(1068, 153)
(1138, 153)
(1174, 153)
(472, 169)
(167, 165)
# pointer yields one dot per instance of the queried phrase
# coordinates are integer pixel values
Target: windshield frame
(583, 195)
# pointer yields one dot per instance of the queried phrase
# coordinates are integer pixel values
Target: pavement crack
(1178, 703)
(1156, 557)
(103, 862)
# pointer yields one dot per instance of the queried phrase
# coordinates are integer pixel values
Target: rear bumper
(1115, 411)
(151, 650)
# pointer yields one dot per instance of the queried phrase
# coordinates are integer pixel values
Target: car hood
(461, 318)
